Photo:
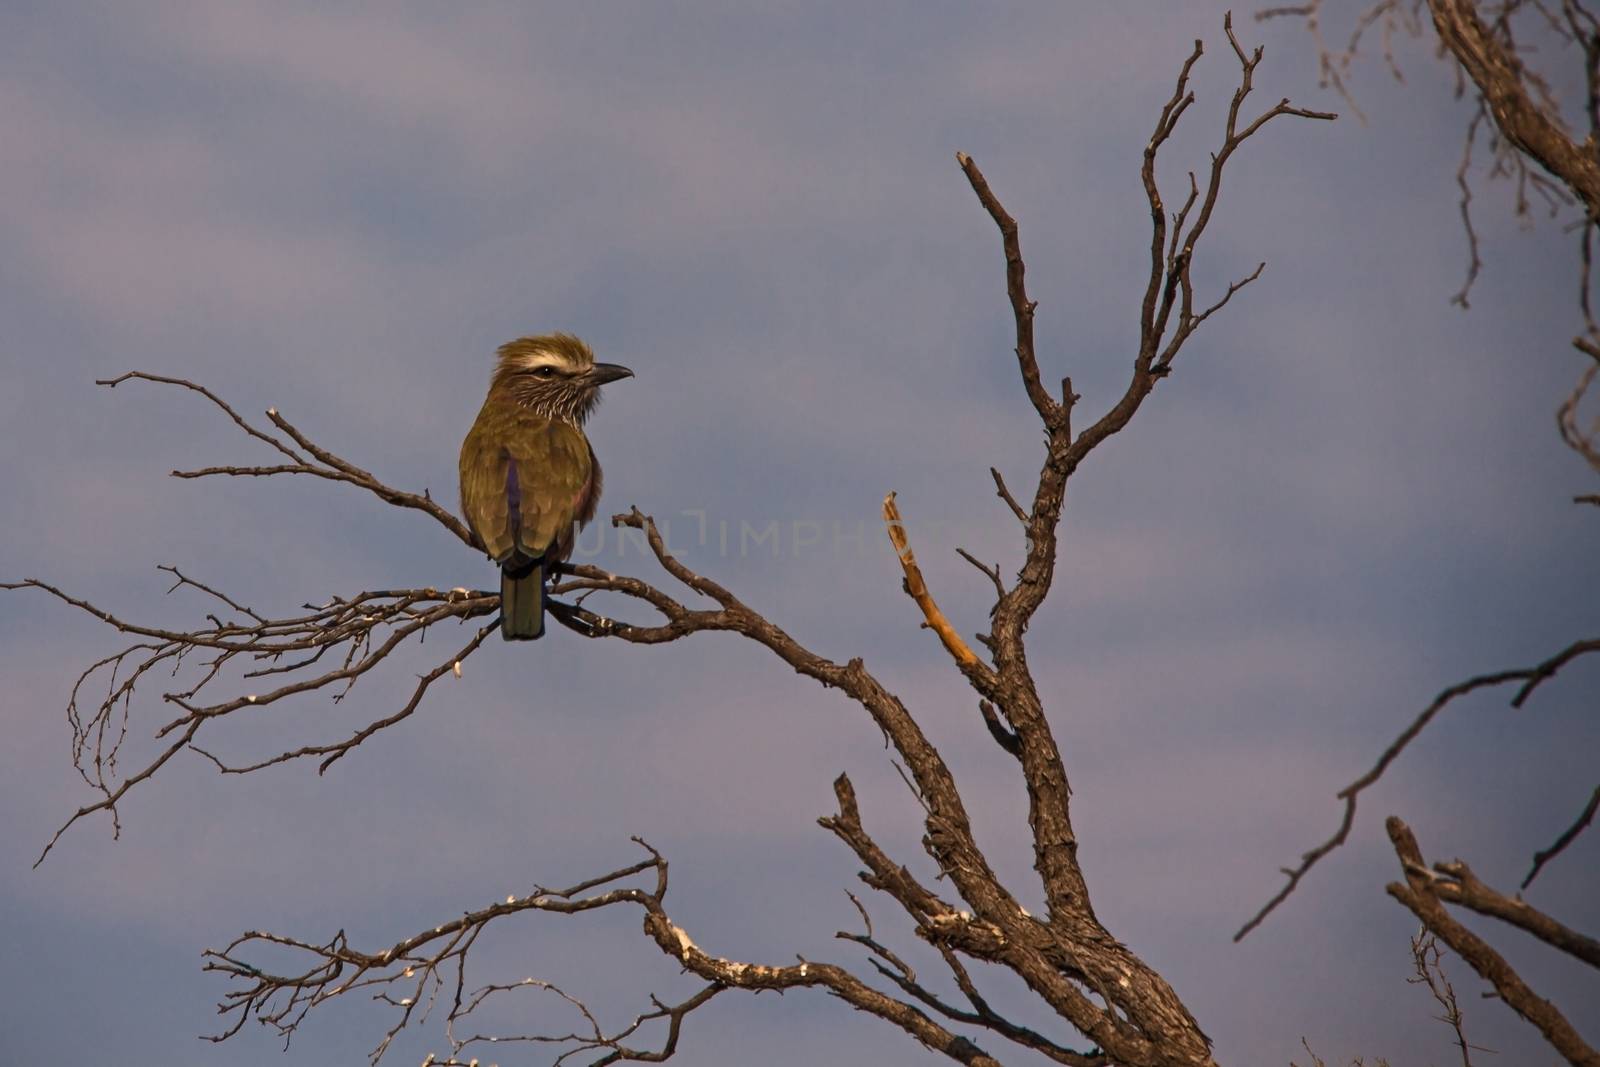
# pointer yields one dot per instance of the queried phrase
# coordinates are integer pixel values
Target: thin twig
(1568, 836)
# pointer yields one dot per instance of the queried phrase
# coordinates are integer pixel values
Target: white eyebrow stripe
(545, 358)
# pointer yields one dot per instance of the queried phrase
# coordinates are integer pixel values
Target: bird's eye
(544, 372)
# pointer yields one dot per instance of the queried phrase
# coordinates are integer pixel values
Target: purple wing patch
(513, 497)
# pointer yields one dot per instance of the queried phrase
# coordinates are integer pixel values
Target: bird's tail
(522, 602)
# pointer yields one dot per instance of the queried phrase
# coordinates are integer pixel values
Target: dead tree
(1532, 143)
(1098, 989)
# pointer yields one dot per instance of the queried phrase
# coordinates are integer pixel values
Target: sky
(1348, 495)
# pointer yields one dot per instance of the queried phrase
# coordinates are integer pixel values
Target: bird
(529, 479)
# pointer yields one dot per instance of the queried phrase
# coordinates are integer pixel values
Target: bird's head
(555, 375)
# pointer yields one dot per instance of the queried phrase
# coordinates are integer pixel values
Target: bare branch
(139, 375)
(361, 632)
(595, 1039)
(1003, 737)
(1474, 261)
(337, 750)
(1420, 894)
(1169, 291)
(1005, 494)
(917, 590)
(1333, 66)
(882, 873)
(1568, 836)
(1530, 677)
(355, 627)
(1521, 109)
(1233, 287)
(1506, 158)
(1582, 441)
(1427, 960)
(326, 465)
(991, 573)
(436, 959)
(1022, 309)
(1454, 883)
(895, 969)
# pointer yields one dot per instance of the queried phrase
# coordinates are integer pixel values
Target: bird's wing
(549, 469)
(485, 501)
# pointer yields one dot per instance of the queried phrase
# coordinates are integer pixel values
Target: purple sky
(1349, 495)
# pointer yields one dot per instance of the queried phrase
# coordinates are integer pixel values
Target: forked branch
(1425, 891)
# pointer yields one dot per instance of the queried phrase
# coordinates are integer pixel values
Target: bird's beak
(601, 373)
